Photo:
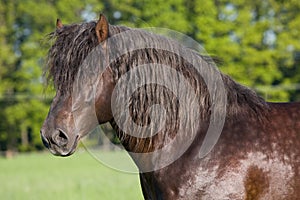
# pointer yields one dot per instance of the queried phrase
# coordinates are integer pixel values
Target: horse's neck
(141, 148)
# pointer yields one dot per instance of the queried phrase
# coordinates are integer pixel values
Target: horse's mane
(73, 43)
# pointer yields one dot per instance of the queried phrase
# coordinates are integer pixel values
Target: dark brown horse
(255, 156)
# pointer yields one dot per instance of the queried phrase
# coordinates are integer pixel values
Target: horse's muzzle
(59, 143)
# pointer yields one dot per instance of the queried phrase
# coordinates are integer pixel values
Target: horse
(255, 155)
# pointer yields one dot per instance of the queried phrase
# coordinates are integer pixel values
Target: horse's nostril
(60, 138)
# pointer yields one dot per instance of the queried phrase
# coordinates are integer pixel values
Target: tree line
(257, 41)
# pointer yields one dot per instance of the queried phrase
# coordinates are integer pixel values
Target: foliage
(258, 42)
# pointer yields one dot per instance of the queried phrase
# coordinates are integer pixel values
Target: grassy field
(43, 176)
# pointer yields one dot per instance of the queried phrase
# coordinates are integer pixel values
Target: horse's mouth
(65, 150)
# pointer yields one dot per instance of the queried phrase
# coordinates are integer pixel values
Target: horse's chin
(64, 151)
(58, 152)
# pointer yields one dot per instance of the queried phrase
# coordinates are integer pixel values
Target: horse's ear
(59, 24)
(102, 28)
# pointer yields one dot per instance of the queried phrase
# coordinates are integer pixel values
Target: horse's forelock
(72, 43)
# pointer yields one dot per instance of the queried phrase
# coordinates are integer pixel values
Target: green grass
(42, 176)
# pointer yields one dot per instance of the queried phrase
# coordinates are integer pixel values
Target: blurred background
(257, 41)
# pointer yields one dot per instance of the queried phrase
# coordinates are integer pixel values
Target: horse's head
(72, 45)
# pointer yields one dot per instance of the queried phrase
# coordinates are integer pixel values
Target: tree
(256, 40)
(251, 38)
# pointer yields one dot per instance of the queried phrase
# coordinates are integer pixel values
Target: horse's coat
(256, 157)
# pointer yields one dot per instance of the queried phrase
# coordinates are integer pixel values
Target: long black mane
(73, 43)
